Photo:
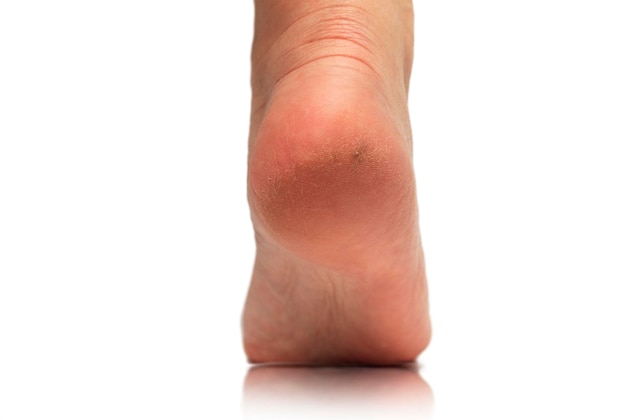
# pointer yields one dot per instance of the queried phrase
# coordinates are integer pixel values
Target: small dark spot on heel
(359, 154)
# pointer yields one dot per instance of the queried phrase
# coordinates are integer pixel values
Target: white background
(126, 247)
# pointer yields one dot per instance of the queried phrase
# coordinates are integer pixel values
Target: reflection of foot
(339, 273)
(278, 392)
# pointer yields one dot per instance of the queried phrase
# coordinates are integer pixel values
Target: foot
(339, 272)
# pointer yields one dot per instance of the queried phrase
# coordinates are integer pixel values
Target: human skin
(339, 272)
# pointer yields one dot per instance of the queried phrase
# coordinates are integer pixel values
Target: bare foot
(339, 272)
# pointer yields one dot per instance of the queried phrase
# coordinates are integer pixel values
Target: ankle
(291, 35)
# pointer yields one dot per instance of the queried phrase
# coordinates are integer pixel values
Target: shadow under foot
(295, 392)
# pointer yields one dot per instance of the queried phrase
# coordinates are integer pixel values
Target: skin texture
(339, 273)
